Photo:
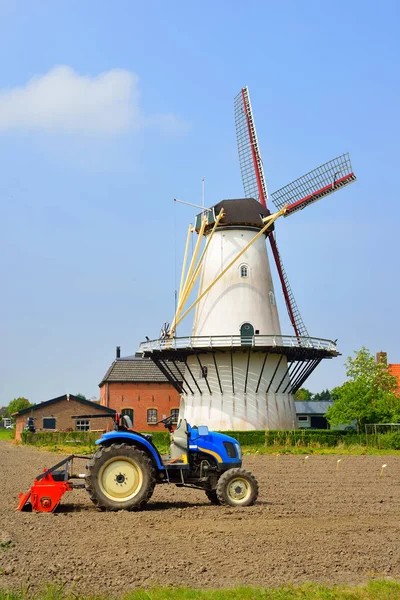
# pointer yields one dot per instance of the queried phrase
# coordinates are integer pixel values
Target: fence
(375, 428)
(298, 437)
(383, 435)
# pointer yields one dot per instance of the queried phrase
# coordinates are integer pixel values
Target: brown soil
(311, 523)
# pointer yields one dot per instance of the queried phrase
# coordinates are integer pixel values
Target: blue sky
(91, 241)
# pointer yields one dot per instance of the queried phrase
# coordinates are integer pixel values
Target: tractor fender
(122, 437)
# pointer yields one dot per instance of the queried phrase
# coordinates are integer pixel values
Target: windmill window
(49, 423)
(272, 298)
(244, 271)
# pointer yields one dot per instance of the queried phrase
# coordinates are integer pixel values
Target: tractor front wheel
(237, 487)
(120, 477)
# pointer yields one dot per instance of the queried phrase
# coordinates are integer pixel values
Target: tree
(81, 396)
(324, 396)
(303, 394)
(17, 404)
(369, 396)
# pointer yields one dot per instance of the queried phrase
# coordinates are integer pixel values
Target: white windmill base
(227, 412)
(249, 399)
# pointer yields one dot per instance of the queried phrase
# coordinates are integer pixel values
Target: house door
(246, 334)
(319, 422)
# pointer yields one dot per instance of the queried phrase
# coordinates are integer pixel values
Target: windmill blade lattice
(316, 184)
(255, 187)
(293, 311)
(249, 154)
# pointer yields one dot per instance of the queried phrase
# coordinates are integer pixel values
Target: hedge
(285, 437)
(300, 437)
(52, 438)
(85, 438)
(323, 437)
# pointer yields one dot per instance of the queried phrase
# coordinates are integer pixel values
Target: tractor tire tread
(91, 477)
(222, 485)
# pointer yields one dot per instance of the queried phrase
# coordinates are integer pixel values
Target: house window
(244, 271)
(129, 413)
(49, 423)
(152, 417)
(303, 421)
(82, 425)
(175, 414)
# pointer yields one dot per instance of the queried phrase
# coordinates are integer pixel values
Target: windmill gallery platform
(240, 372)
(239, 382)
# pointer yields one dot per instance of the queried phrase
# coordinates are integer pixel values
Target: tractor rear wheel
(237, 487)
(120, 477)
(212, 496)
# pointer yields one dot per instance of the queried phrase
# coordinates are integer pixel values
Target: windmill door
(246, 334)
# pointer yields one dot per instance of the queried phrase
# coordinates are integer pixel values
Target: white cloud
(62, 101)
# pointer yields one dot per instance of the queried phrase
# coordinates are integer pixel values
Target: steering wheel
(167, 422)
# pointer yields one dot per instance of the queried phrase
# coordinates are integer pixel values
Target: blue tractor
(126, 467)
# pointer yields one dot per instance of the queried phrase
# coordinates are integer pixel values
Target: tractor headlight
(238, 451)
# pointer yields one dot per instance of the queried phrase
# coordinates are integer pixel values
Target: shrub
(247, 438)
(307, 438)
(390, 440)
(84, 438)
(51, 438)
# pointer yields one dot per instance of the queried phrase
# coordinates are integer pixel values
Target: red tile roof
(395, 370)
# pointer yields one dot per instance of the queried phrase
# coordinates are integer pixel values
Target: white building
(240, 371)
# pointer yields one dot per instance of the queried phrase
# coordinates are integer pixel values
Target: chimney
(381, 357)
(118, 352)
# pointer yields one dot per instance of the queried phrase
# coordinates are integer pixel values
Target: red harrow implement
(49, 487)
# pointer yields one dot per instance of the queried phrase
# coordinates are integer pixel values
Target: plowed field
(311, 523)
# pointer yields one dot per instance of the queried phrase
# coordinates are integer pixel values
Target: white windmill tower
(240, 371)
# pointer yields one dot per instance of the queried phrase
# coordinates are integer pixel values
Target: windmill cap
(242, 212)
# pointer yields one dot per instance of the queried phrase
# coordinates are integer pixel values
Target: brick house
(395, 370)
(393, 367)
(58, 414)
(134, 385)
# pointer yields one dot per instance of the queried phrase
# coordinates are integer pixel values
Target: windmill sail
(249, 153)
(255, 187)
(316, 184)
(293, 311)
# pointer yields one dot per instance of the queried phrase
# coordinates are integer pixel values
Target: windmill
(237, 370)
(298, 194)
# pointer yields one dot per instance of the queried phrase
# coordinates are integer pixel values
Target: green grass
(374, 590)
(356, 450)
(6, 434)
